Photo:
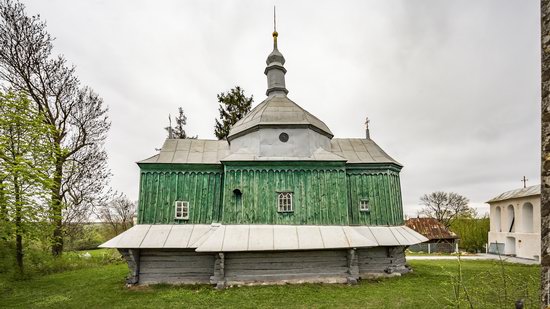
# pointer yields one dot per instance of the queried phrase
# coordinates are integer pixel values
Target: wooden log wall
(175, 266)
(289, 266)
(381, 260)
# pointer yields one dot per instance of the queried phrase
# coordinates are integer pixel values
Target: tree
(545, 155)
(234, 105)
(118, 213)
(24, 160)
(76, 113)
(178, 131)
(445, 207)
(473, 233)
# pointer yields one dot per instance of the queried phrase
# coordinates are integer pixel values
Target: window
(364, 205)
(284, 202)
(283, 137)
(182, 210)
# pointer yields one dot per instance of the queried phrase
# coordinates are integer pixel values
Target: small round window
(283, 137)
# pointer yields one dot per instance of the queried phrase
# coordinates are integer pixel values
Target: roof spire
(275, 71)
(275, 34)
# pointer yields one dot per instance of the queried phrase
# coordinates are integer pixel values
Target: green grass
(427, 287)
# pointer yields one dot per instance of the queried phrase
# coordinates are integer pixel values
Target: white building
(515, 223)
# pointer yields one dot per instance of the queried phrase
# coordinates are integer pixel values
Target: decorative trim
(181, 167)
(372, 168)
(285, 125)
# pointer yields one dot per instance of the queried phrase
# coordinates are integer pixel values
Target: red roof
(430, 228)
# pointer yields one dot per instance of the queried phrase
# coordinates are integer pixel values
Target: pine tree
(234, 105)
(178, 131)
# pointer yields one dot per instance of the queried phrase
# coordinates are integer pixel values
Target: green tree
(234, 105)
(445, 207)
(25, 161)
(178, 130)
(76, 113)
(473, 233)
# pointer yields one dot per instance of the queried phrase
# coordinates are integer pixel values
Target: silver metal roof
(278, 110)
(360, 150)
(529, 191)
(199, 151)
(161, 236)
(231, 238)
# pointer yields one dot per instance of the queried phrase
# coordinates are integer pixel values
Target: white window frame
(284, 202)
(183, 212)
(364, 205)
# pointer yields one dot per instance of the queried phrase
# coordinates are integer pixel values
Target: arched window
(497, 217)
(511, 219)
(284, 202)
(527, 218)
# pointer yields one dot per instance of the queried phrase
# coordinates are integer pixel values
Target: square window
(364, 205)
(284, 202)
(182, 210)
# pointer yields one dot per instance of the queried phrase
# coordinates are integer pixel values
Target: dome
(278, 111)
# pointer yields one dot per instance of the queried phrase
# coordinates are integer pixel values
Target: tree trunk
(18, 227)
(57, 208)
(545, 155)
(3, 203)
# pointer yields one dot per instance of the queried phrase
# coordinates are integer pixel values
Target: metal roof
(199, 151)
(231, 238)
(529, 191)
(360, 150)
(430, 228)
(278, 110)
(196, 151)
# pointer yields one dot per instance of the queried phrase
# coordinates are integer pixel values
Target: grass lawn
(429, 286)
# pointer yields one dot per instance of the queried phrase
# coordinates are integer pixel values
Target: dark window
(283, 137)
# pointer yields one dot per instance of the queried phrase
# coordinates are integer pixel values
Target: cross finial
(367, 131)
(275, 34)
(524, 180)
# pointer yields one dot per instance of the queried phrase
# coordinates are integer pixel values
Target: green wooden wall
(324, 193)
(162, 185)
(382, 188)
(320, 193)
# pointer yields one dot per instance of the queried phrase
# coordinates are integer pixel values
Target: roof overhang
(238, 238)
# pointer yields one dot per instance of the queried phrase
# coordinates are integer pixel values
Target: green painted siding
(319, 194)
(161, 186)
(383, 190)
(323, 193)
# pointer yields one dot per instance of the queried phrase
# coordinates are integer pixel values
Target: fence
(434, 247)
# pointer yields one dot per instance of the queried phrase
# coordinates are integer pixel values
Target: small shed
(441, 239)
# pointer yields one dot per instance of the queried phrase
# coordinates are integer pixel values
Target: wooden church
(280, 201)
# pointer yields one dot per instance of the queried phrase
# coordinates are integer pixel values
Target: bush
(38, 260)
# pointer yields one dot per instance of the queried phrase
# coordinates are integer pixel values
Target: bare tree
(118, 213)
(77, 113)
(445, 207)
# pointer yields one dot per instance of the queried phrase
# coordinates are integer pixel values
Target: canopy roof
(278, 110)
(232, 238)
(523, 192)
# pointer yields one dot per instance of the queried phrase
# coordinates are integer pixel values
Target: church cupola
(275, 70)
